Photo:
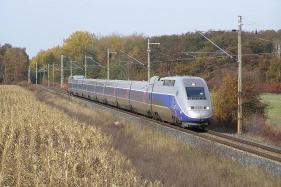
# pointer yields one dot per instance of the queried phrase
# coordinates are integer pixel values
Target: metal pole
(148, 61)
(70, 68)
(36, 73)
(148, 57)
(85, 67)
(239, 125)
(28, 74)
(107, 63)
(53, 74)
(48, 74)
(61, 79)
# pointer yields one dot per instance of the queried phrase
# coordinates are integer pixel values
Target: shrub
(271, 88)
(225, 100)
(258, 128)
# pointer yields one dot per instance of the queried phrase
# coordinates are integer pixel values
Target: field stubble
(42, 146)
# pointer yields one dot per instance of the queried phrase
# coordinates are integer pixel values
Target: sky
(43, 24)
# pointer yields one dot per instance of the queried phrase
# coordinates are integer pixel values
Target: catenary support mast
(239, 123)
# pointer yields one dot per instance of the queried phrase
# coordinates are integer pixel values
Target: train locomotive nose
(200, 114)
(205, 114)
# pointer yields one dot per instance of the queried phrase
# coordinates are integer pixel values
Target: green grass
(274, 110)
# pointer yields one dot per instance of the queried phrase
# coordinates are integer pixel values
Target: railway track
(243, 145)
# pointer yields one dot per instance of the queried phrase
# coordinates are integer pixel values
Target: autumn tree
(13, 64)
(273, 75)
(225, 99)
(79, 44)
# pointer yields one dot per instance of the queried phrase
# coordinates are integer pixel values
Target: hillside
(185, 54)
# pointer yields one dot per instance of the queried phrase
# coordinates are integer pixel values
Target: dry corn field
(43, 146)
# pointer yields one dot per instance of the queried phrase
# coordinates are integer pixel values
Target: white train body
(184, 100)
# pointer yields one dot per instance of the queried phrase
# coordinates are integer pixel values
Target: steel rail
(244, 145)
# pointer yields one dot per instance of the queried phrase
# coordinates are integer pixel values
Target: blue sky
(43, 24)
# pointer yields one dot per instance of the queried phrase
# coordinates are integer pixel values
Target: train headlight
(206, 107)
(190, 107)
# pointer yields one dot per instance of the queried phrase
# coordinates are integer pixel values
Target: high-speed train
(181, 100)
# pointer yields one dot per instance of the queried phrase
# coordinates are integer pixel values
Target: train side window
(169, 83)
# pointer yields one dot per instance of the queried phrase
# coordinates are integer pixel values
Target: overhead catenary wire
(253, 23)
(96, 62)
(131, 57)
(217, 46)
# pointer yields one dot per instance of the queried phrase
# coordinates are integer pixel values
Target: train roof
(76, 77)
(151, 81)
(157, 78)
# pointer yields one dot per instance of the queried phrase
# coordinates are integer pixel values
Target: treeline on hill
(185, 54)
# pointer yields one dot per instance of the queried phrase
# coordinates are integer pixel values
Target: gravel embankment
(242, 157)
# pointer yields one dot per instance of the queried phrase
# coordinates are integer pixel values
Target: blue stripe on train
(170, 102)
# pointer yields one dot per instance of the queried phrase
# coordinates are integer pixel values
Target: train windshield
(195, 93)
